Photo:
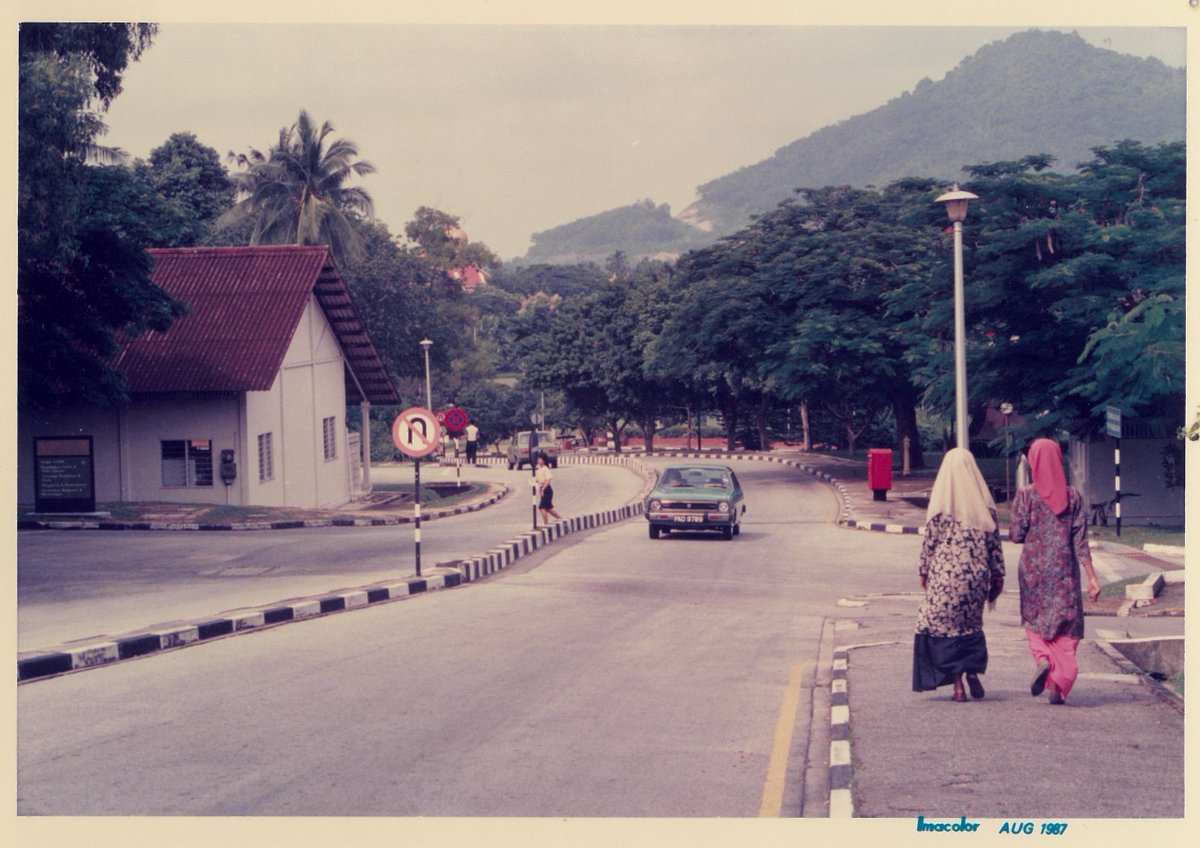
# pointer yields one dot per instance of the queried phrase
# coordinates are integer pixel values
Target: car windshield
(543, 436)
(695, 478)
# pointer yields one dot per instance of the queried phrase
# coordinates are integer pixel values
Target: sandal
(959, 696)
(1056, 698)
(1039, 681)
(975, 686)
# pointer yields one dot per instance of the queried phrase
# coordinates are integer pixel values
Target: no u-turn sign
(416, 432)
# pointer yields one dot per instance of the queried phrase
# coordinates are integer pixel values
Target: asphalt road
(607, 675)
(81, 583)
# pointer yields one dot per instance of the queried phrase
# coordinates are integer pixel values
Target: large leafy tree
(83, 275)
(564, 280)
(1135, 358)
(591, 348)
(189, 177)
(440, 239)
(1075, 290)
(793, 310)
(400, 297)
(298, 192)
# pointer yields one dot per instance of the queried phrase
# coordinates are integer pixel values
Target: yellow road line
(772, 797)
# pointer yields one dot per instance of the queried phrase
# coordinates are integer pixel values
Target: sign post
(1112, 426)
(456, 421)
(533, 443)
(416, 432)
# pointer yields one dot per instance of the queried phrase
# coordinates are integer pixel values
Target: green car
(696, 497)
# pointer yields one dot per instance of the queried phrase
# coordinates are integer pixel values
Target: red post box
(879, 472)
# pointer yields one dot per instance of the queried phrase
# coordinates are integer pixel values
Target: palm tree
(296, 193)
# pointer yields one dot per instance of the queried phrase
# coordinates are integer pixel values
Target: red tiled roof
(246, 303)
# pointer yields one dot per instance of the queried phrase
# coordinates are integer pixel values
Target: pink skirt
(1060, 653)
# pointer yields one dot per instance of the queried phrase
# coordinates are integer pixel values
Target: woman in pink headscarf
(1049, 518)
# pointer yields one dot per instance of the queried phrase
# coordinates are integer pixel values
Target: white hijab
(961, 493)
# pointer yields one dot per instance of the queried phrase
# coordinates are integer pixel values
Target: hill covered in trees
(640, 230)
(1033, 93)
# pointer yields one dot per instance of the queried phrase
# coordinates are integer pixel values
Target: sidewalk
(895, 753)
(1115, 750)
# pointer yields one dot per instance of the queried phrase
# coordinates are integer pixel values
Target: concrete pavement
(895, 753)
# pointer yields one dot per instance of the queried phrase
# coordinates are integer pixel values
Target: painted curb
(78, 656)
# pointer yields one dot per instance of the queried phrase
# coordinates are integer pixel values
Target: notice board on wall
(64, 474)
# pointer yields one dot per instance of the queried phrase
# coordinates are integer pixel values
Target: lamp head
(956, 203)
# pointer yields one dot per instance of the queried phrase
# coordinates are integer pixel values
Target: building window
(266, 458)
(330, 431)
(187, 462)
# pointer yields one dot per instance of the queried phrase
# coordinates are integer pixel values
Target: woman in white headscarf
(1050, 520)
(962, 568)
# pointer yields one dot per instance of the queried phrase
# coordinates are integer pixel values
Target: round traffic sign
(455, 419)
(416, 432)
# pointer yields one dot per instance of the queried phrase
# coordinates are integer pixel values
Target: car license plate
(689, 519)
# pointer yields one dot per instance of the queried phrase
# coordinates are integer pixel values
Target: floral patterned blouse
(962, 566)
(1055, 547)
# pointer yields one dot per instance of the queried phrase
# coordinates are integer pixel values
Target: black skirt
(937, 660)
(547, 501)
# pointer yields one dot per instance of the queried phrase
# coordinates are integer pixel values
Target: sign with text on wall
(64, 475)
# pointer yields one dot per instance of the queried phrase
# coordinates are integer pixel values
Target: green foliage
(591, 349)
(638, 230)
(189, 177)
(99, 52)
(297, 192)
(439, 238)
(403, 299)
(563, 280)
(83, 275)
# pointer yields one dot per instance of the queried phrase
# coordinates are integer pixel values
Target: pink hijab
(1046, 468)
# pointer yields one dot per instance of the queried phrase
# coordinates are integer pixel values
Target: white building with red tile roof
(259, 374)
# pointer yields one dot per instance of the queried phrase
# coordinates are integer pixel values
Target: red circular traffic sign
(455, 419)
(416, 432)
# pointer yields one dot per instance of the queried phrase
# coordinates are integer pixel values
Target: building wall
(147, 423)
(310, 387)
(102, 425)
(1145, 498)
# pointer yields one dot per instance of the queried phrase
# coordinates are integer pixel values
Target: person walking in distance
(1049, 518)
(545, 489)
(472, 443)
(962, 567)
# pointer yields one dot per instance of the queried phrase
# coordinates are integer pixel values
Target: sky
(519, 127)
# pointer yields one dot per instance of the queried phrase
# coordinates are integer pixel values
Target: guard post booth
(879, 472)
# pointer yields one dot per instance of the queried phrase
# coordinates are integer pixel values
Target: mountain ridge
(1000, 103)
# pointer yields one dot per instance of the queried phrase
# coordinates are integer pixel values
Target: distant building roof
(470, 276)
(246, 304)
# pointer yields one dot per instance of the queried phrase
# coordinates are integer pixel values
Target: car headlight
(724, 507)
(656, 505)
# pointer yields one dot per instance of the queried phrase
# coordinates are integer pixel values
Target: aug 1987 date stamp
(1029, 828)
(1040, 828)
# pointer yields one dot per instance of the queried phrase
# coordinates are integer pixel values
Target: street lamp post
(956, 207)
(426, 344)
(1006, 410)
